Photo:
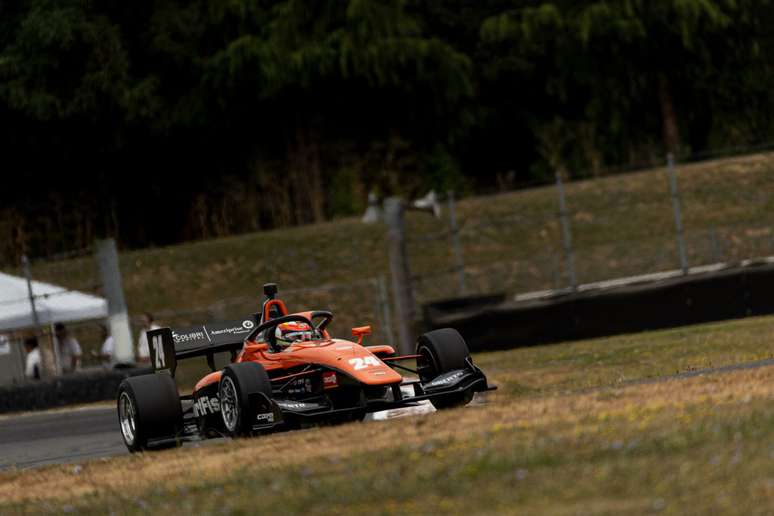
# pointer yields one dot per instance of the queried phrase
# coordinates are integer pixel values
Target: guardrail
(671, 299)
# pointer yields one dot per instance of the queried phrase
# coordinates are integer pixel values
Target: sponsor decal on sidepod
(204, 404)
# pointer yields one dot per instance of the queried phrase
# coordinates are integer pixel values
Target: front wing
(275, 414)
(470, 379)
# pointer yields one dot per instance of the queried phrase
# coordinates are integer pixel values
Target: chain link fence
(619, 226)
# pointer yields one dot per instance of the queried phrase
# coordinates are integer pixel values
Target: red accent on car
(329, 380)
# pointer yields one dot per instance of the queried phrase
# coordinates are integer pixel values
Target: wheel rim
(127, 418)
(229, 407)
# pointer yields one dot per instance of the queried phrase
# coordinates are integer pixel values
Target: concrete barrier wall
(84, 387)
(730, 293)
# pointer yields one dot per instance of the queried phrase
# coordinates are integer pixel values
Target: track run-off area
(675, 420)
(65, 436)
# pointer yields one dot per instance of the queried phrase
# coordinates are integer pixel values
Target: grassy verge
(563, 435)
(615, 360)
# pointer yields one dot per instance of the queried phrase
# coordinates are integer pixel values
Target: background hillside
(621, 225)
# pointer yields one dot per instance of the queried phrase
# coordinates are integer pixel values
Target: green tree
(623, 60)
(323, 72)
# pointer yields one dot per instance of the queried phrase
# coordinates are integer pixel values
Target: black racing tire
(237, 383)
(441, 351)
(148, 409)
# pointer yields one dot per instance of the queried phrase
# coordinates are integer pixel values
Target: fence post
(677, 213)
(384, 310)
(456, 245)
(405, 309)
(566, 234)
(556, 266)
(118, 319)
(717, 251)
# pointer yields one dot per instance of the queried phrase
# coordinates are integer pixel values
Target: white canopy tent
(52, 303)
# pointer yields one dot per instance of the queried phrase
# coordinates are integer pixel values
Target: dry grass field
(591, 427)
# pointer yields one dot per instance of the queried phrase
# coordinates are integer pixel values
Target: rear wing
(168, 345)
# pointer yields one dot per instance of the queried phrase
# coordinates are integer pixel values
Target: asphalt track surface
(70, 436)
(59, 437)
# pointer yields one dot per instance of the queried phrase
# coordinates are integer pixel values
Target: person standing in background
(67, 348)
(32, 360)
(106, 352)
(143, 353)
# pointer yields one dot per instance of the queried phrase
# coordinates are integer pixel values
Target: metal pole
(717, 251)
(457, 246)
(677, 212)
(28, 277)
(405, 309)
(118, 319)
(556, 266)
(566, 233)
(48, 354)
(384, 308)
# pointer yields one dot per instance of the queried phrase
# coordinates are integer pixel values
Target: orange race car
(285, 371)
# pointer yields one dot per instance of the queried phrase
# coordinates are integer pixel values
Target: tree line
(161, 121)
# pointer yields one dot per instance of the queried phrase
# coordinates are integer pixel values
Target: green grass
(614, 360)
(621, 225)
(563, 435)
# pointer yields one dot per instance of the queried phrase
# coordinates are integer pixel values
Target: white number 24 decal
(362, 363)
(159, 347)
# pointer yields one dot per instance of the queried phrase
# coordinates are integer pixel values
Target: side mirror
(361, 332)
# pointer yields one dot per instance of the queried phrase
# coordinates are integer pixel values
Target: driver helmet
(291, 332)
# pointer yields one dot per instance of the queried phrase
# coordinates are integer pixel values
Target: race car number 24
(362, 363)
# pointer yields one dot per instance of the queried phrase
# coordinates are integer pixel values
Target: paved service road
(59, 436)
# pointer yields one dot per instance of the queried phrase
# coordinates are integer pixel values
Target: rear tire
(237, 383)
(148, 409)
(441, 351)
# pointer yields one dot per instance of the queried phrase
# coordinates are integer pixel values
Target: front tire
(237, 384)
(442, 351)
(149, 409)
